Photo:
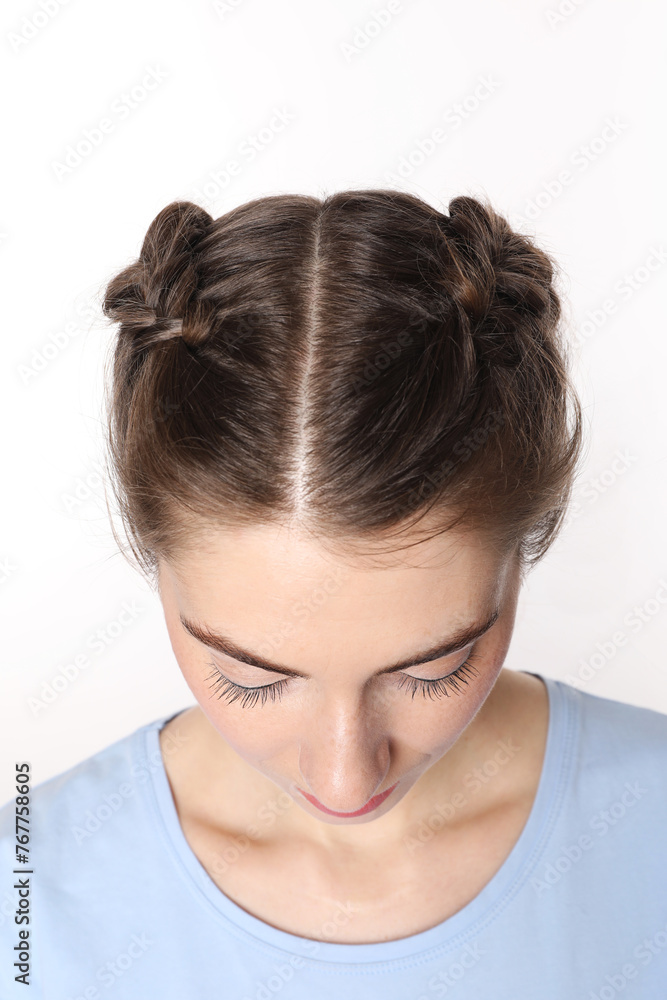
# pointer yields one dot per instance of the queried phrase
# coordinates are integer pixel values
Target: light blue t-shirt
(121, 908)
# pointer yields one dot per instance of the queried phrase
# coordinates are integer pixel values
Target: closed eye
(223, 687)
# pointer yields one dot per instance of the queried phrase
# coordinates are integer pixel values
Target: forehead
(275, 570)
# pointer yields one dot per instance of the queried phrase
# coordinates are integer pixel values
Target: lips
(370, 805)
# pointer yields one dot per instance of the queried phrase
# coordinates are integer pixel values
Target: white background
(363, 100)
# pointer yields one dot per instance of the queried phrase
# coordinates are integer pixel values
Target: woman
(341, 432)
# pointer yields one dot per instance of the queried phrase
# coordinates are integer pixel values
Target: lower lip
(369, 807)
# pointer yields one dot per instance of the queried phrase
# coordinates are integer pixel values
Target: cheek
(231, 721)
(196, 671)
(478, 691)
(256, 733)
(432, 727)
(262, 744)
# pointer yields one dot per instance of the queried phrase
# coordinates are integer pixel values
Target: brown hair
(349, 364)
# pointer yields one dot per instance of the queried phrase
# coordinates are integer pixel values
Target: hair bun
(497, 275)
(151, 297)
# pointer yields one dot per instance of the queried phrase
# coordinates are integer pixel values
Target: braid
(154, 298)
(494, 278)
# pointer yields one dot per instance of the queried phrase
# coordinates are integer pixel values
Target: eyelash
(250, 696)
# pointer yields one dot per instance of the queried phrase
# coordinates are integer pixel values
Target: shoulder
(615, 747)
(78, 801)
(618, 723)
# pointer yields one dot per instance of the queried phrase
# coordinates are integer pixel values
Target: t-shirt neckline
(452, 933)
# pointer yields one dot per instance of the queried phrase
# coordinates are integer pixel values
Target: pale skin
(345, 733)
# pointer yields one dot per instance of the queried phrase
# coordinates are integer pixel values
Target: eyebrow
(223, 644)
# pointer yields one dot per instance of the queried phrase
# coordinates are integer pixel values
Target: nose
(345, 757)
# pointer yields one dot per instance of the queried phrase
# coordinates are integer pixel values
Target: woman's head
(303, 387)
(362, 367)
